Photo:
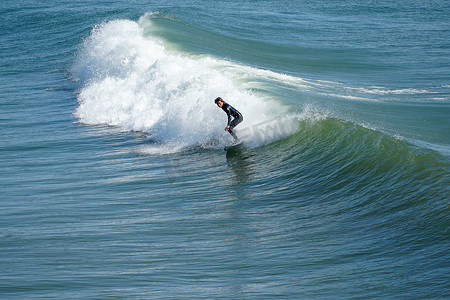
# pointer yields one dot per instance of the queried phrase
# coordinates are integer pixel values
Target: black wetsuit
(237, 118)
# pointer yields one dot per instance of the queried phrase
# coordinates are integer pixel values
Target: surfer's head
(219, 101)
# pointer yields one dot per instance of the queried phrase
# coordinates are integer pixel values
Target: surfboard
(232, 146)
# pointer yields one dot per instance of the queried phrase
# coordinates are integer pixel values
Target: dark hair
(218, 99)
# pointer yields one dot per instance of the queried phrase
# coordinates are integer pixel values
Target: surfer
(231, 113)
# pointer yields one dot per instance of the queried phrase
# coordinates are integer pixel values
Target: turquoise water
(114, 182)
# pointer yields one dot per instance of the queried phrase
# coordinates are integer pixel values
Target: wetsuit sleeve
(229, 116)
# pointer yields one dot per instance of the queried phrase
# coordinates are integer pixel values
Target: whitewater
(131, 80)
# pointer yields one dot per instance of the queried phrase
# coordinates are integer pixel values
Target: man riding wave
(234, 117)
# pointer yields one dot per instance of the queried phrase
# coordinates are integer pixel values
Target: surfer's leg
(236, 121)
(233, 124)
(233, 134)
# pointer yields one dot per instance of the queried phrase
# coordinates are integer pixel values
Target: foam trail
(132, 81)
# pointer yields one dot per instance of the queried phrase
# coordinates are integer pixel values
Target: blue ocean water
(114, 181)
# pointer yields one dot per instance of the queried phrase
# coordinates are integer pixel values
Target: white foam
(132, 81)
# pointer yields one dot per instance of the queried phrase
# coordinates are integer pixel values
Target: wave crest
(132, 81)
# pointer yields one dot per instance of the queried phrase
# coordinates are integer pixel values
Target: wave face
(134, 79)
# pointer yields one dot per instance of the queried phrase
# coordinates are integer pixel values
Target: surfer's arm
(229, 121)
(229, 116)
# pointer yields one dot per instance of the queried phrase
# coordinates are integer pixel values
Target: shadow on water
(240, 160)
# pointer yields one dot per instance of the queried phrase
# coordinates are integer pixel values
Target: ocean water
(113, 178)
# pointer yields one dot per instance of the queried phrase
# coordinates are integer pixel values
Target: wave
(133, 81)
